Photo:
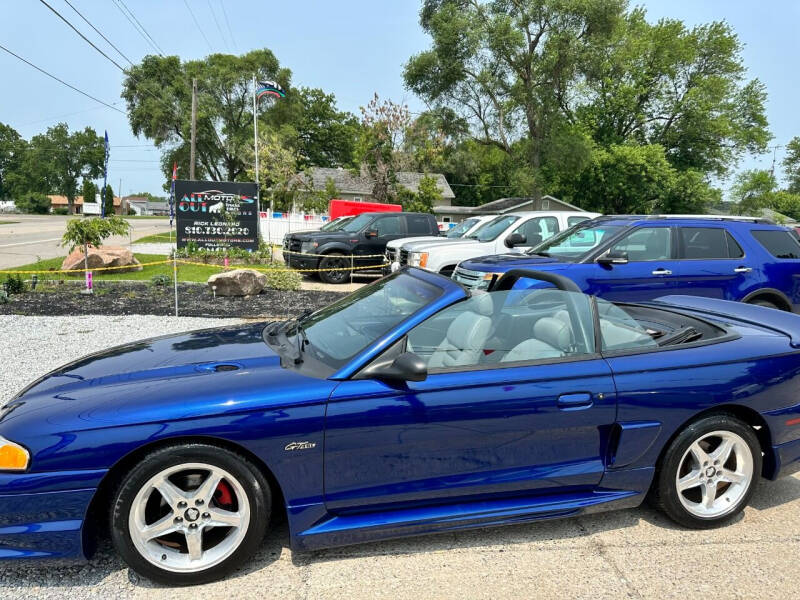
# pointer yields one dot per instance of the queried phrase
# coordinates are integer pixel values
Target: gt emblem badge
(300, 445)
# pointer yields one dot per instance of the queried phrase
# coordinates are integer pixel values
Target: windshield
(461, 228)
(336, 224)
(338, 332)
(489, 231)
(358, 223)
(576, 241)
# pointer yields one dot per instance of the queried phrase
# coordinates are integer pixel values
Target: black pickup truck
(360, 243)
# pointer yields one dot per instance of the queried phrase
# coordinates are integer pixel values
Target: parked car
(397, 250)
(511, 231)
(359, 243)
(635, 258)
(410, 406)
(336, 224)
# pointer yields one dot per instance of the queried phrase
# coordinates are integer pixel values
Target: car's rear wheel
(334, 268)
(708, 473)
(190, 514)
(764, 303)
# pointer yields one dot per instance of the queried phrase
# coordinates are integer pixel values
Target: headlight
(307, 247)
(487, 280)
(418, 259)
(13, 457)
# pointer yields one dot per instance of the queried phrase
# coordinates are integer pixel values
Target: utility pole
(194, 128)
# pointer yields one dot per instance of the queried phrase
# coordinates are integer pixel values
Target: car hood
(428, 239)
(319, 236)
(500, 263)
(177, 376)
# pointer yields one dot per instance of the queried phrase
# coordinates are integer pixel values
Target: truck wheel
(334, 268)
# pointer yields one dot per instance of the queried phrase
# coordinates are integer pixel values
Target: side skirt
(343, 530)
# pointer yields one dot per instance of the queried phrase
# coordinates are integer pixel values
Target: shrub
(160, 280)
(14, 284)
(60, 210)
(35, 203)
(283, 279)
(3, 297)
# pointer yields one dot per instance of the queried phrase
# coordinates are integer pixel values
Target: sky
(351, 48)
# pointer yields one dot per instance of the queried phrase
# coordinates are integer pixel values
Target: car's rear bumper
(40, 519)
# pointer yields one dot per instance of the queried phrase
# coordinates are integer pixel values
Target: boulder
(239, 282)
(104, 256)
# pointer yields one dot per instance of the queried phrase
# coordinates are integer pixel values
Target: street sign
(216, 214)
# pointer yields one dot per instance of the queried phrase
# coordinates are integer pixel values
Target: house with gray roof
(449, 213)
(357, 187)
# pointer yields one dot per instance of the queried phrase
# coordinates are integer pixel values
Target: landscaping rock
(104, 256)
(239, 282)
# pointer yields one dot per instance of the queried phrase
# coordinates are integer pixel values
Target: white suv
(510, 232)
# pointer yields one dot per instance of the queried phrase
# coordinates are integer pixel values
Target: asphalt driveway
(635, 553)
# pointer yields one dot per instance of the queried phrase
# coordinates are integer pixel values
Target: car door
(371, 248)
(479, 424)
(711, 263)
(650, 270)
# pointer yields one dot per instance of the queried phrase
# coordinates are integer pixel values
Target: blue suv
(639, 258)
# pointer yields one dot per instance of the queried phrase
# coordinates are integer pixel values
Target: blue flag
(105, 178)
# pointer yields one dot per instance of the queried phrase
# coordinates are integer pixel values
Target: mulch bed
(142, 298)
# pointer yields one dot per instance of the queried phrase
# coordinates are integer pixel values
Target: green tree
(753, 190)
(319, 200)
(158, 93)
(92, 232)
(57, 160)
(108, 200)
(791, 164)
(277, 171)
(35, 203)
(12, 150)
(89, 191)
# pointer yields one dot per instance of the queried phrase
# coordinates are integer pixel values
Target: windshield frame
(472, 222)
(347, 227)
(475, 235)
(337, 224)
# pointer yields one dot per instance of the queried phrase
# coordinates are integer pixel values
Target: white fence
(274, 228)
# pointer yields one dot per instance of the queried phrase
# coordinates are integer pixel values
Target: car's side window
(388, 225)
(781, 244)
(575, 220)
(645, 244)
(504, 328)
(537, 230)
(704, 243)
(417, 224)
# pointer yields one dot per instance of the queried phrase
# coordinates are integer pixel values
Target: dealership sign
(217, 214)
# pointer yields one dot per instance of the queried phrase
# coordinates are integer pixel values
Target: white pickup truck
(510, 232)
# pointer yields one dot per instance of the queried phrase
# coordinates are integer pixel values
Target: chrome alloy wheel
(714, 475)
(189, 517)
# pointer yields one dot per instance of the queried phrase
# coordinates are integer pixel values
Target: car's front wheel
(190, 514)
(709, 471)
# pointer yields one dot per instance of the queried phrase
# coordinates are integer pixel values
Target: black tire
(664, 493)
(248, 476)
(765, 304)
(338, 264)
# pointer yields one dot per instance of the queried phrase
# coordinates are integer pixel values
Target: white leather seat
(466, 336)
(552, 338)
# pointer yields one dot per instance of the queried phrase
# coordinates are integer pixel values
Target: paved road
(625, 554)
(38, 236)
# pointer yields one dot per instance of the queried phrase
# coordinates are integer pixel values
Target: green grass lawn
(156, 238)
(8, 222)
(185, 272)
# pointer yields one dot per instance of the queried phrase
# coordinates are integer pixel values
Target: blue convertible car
(408, 407)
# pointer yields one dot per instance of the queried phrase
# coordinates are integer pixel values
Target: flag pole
(255, 147)
(105, 179)
(171, 224)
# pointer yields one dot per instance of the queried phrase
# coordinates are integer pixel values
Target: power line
(228, 24)
(124, 14)
(88, 41)
(70, 114)
(214, 15)
(189, 8)
(100, 33)
(147, 33)
(62, 82)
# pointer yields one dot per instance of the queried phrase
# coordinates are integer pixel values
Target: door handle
(662, 272)
(576, 401)
(742, 269)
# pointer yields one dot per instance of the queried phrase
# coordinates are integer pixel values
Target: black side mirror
(614, 257)
(515, 239)
(404, 367)
(371, 233)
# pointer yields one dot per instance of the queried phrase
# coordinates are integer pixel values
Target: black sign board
(216, 214)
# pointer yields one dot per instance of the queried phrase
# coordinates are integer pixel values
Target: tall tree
(58, 160)
(158, 93)
(12, 150)
(791, 164)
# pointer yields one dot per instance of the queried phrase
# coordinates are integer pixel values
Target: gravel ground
(633, 553)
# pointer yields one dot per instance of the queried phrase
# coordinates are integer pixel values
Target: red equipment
(347, 208)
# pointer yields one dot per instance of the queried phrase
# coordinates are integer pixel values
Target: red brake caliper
(223, 495)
